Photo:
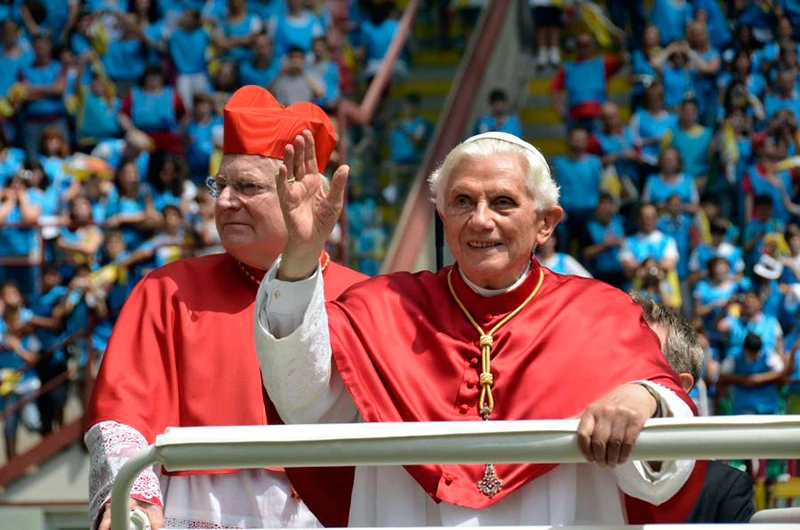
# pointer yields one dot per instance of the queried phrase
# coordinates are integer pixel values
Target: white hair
(539, 180)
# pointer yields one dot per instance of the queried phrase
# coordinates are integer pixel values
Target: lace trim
(110, 445)
(172, 522)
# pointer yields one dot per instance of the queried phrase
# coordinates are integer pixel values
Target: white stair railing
(179, 449)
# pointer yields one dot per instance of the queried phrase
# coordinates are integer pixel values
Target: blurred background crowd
(685, 189)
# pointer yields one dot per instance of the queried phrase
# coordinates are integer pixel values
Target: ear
(547, 222)
(687, 381)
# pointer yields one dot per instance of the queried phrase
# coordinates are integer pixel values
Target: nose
(481, 218)
(228, 199)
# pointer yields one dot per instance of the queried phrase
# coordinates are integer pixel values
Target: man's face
(262, 46)
(720, 270)
(648, 219)
(490, 219)
(251, 226)
(605, 210)
(296, 61)
(751, 304)
(578, 140)
(12, 297)
(610, 116)
(585, 46)
(786, 81)
(43, 49)
(689, 113)
(499, 107)
(764, 212)
(10, 34)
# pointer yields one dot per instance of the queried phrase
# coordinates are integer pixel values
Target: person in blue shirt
(407, 138)
(709, 12)
(327, 71)
(671, 18)
(44, 82)
(19, 354)
(642, 68)
(125, 58)
(167, 181)
(706, 63)
(762, 178)
(648, 243)
(693, 143)
(675, 73)
(49, 325)
(79, 241)
(750, 13)
(669, 181)
(754, 374)
(12, 159)
(12, 57)
(579, 175)
(263, 67)
(499, 118)
(605, 235)
(559, 262)
(742, 70)
(785, 94)
(296, 27)
(97, 113)
(129, 207)
(713, 295)
(615, 144)
(17, 208)
(377, 33)
(677, 224)
(762, 223)
(751, 320)
(168, 246)
(199, 136)
(135, 146)
(237, 30)
(187, 47)
(719, 248)
(649, 125)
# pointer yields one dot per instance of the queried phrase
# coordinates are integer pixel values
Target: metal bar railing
(444, 442)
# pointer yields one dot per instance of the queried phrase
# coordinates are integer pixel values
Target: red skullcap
(256, 124)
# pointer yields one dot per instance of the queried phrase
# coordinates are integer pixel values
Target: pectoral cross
(490, 485)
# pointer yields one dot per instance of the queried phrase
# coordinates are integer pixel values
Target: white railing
(178, 449)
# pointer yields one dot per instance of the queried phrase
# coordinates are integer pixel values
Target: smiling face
(250, 225)
(491, 220)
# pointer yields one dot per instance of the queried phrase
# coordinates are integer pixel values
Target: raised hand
(309, 210)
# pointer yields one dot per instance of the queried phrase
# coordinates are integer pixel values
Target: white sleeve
(672, 249)
(775, 362)
(110, 445)
(637, 478)
(575, 268)
(728, 365)
(294, 351)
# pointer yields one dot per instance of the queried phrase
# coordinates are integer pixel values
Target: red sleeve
(127, 103)
(557, 83)
(180, 110)
(612, 65)
(137, 384)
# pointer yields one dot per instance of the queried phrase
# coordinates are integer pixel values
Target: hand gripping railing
(178, 449)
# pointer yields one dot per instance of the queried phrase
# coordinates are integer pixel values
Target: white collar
(486, 293)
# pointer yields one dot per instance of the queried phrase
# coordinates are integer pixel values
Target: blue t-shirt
(616, 143)
(763, 325)
(248, 25)
(154, 111)
(12, 161)
(585, 81)
(127, 205)
(579, 181)
(763, 399)
(678, 228)
(762, 186)
(646, 126)
(755, 83)
(719, 32)
(606, 262)
(47, 200)
(705, 293)
(125, 60)
(730, 253)
(677, 82)
(775, 102)
(693, 146)
(656, 245)
(671, 17)
(111, 151)
(201, 146)
(377, 39)
(43, 306)
(296, 31)
(10, 67)
(328, 72)
(250, 75)
(640, 66)
(402, 147)
(753, 227)
(510, 125)
(17, 241)
(44, 76)
(657, 190)
(97, 117)
(188, 50)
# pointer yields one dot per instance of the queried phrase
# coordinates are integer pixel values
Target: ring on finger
(291, 180)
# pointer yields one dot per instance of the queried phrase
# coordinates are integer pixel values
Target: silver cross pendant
(490, 485)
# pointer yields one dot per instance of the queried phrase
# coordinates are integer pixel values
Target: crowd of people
(692, 198)
(111, 125)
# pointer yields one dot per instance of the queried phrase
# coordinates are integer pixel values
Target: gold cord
(487, 340)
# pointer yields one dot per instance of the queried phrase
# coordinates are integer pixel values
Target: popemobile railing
(178, 449)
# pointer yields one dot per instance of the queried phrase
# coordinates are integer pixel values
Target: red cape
(407, 353)
(182, 352)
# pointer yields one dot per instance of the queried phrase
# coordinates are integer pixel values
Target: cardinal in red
(494, 337)
(182, 352)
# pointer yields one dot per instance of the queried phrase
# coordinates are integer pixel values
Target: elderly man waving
(494, 337)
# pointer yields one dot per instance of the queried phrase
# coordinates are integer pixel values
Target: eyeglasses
(244, 188)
